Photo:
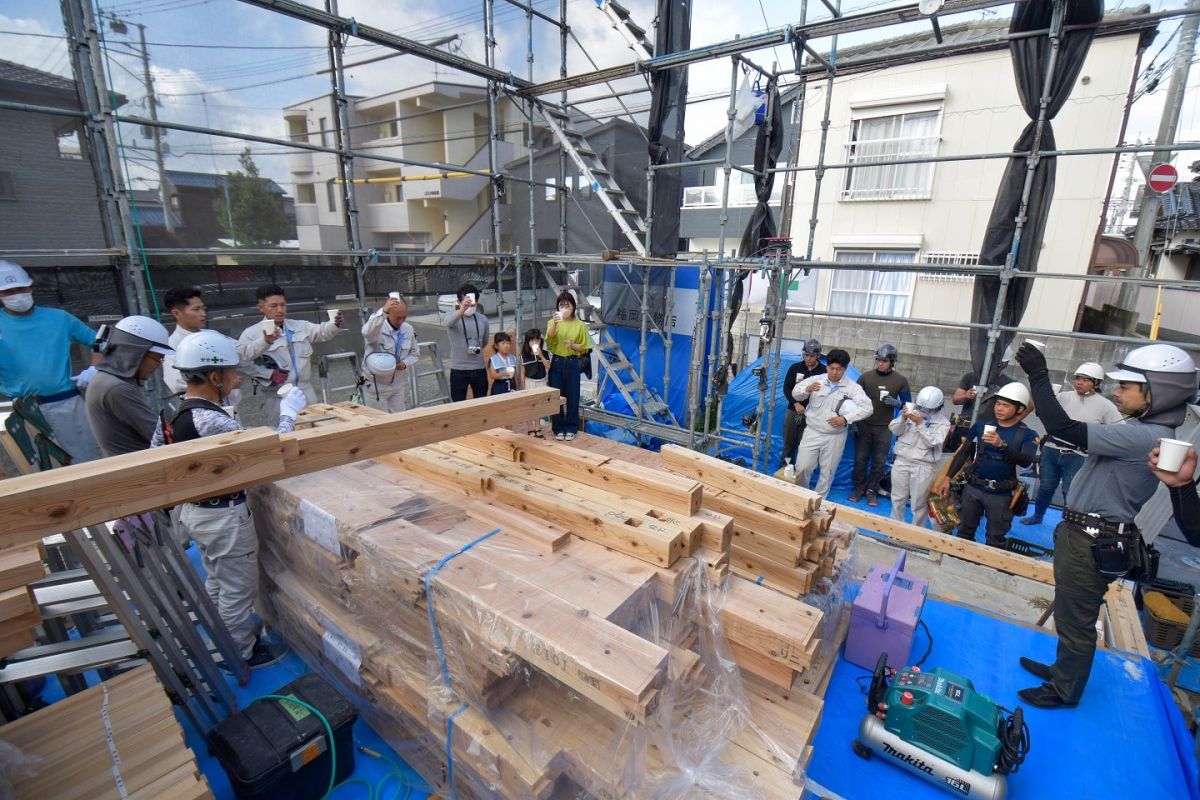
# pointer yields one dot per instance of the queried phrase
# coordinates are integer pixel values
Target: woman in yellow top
(568, 341)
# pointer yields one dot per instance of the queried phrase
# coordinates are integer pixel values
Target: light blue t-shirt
(35, 351)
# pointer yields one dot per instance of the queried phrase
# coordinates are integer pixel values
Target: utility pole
(1167, 127)
(155, 132)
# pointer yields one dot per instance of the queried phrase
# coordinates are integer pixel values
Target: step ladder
(328, 361)
(633, 34)
(593, 170)
(437, 369)
(617, 368)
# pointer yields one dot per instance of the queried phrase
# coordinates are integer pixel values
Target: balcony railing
(741, 194)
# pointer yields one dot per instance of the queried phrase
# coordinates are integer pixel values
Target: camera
(474, 350)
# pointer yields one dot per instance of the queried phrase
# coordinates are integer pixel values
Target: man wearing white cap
(390, 350)
(1061, 460)
(116, 404)
(35, 360)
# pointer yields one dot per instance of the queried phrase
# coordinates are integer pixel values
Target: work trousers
(1078, 594)
(68, 420)
(229, 552)
(910, 483)
(1055, 466)
(823, 450)
(389, 397)
(462, 379)
(793, 430)
(871, 445)
(564, 376)
(975, 504)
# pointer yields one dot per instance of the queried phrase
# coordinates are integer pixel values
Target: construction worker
(287, 342)
(131, 352)
(35, 360)
(833, 404)
(222, 526)
(187, 307)
(993, 454)
(794, 420)
(1060, 461)
(1097, 540)
(469, 331)
(887, 391)
(919, 430)
(387, 333)
(969, 385)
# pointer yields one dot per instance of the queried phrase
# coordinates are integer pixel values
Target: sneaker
(560, 436)
(872, 501)
(570, 437)
(264, 654)
(855, 496)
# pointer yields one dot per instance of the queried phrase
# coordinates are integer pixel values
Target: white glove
(84, 378)
(293, 404)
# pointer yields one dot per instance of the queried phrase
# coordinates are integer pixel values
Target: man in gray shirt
(121, 419)
(1097, 541)
(468, 329)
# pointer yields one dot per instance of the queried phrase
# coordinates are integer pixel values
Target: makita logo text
(912, 761)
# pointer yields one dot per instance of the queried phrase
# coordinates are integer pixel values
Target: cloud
(37, 51)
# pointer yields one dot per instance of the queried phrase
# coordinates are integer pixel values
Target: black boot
(1036, 668)
(1044, 696)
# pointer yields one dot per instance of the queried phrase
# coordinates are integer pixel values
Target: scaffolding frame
(717, 272)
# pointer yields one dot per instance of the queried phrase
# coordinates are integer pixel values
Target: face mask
(19, 303)
(469, 311)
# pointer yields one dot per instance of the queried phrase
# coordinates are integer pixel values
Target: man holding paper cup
(1174, 463)
(289, 342)
(1097, 541)
(387, 333)
(833, 405)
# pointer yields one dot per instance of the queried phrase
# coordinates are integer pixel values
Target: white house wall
(981, 114)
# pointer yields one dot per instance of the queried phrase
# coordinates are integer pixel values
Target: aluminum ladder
(628, 219)
(633, 34)
(323, 372)
(437, 369)
(618, 369)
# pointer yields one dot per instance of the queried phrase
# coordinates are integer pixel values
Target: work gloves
(293, 404)
(84, 378)
(1032, 360)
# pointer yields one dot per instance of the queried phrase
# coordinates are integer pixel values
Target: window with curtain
(874, 139)
(877, 293)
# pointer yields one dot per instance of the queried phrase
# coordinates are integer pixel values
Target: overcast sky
(245, 64)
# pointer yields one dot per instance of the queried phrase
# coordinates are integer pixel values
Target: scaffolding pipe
(819, 175)
(345, 162)
(727, 162)
(699, 333)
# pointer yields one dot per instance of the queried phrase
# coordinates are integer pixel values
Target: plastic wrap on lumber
(743, 482)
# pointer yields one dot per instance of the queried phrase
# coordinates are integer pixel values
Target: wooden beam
(786, 497)
(542, 536)
(1012, 563)
(20, 566)
(1124, 629)
(43, 503)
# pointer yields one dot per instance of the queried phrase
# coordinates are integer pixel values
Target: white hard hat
(931, 397)
(1014, 392)
(381, 365)
(1091, 370)
(12, 276)
(206, 350)
(148, 329)
(1153, 358)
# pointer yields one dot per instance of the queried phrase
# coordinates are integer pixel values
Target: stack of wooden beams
(19, 566)
(553, 651)
(119, 739)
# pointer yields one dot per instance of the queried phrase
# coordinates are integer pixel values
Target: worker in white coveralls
(222, 525)
(919, 430)
(390, 351)
(834, 403)
(286, 345)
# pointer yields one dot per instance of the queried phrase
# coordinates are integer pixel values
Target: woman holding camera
(568, 341)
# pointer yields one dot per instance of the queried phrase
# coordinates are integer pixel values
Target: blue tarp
(1125, 739)
(742, 400)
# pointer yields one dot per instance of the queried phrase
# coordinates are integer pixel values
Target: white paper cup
(1041, 346)
(910, 408)
(988, 429)
(285, 390)
(1171, 453)
(883, 393)
(333, 314)
(535, 347)
(394, 295)
(1057, 387)
(980, 389)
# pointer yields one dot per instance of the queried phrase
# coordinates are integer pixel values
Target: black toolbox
(274, 749)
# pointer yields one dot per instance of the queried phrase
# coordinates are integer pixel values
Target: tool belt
(1117, 547)
(982, 483)
(222, 501)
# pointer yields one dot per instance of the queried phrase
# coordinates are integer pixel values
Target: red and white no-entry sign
(1162, 178)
